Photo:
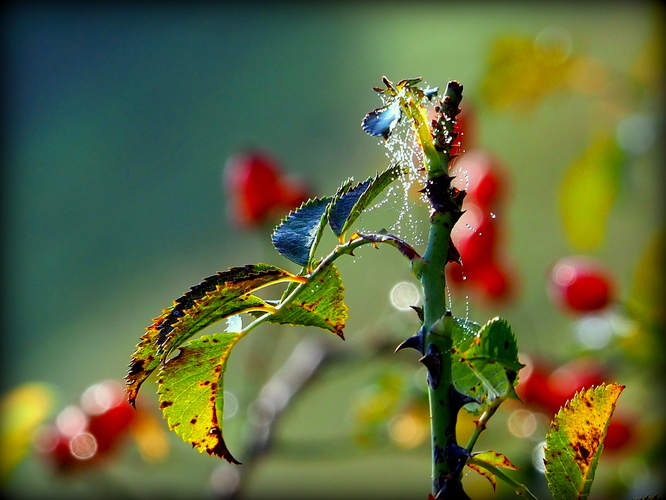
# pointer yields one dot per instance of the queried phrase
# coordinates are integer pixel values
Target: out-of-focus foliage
(588, 192)
(22, 410)
(520, 72)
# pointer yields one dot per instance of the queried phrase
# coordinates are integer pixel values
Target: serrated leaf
(575, 441)
(297, 236)
(224, 294)
(485, 361)
(191, 392)
(320, 303)
(348, 205)
(496, 342)
(483, 463)
(588, 191)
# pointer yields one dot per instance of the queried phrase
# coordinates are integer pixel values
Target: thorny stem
(448, 458)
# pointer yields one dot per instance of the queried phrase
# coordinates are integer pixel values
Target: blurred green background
(118, 122)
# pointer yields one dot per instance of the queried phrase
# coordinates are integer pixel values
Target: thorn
(419, 311)
(453, 255)
(459, 399)
(456, 457)
(433, 364)
(457, 214)
(414, 342)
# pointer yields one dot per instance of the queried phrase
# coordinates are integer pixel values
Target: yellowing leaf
(22, 410)
(217, 297)
(319, 302)
(521, 72)
(588, 191)
(575, 441)
(486, 463)
(150, 437)
(191, 390)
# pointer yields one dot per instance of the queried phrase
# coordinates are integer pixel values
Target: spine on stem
(435, 337)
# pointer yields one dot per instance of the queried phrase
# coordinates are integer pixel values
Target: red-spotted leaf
(191, 392)
(319, 302)
(486, 463)
(575, 441)
(217, 297)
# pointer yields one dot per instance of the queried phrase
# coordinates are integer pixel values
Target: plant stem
(448, 458)
(481, 423)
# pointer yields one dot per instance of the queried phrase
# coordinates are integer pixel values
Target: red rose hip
(580, 284)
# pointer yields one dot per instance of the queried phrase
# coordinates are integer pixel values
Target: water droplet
(493, 215)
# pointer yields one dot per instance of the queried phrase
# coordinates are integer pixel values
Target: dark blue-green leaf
(350, 202)
(299, 233)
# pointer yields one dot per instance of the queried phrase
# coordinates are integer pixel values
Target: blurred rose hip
(580, 284)
(258, 190)
(480, 174)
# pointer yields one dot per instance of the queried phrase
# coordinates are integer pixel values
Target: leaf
(22, 409)
(647, 286)
(485, 461)
(575, 441)
(485, 361)
(299, 233)
(217, 297)
(348, 204)
(380, 122)
(191, 392)
(520, 73)
(319, 302)
(588, 191)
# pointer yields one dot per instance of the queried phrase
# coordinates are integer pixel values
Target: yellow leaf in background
(22, 411)
(645, 303)
(520, 72)
(575, 441)
(150, 437)
(588, 191)
(649, 63)
(646, 299)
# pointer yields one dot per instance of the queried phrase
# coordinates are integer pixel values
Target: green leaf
(486, 462)
(588, 191)
(319, 302)
(191, 392)
(485, 361)
(217, 297)
(349, 203)
(297, 236)
(575, 441)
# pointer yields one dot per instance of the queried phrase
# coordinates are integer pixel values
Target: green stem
(481, 423)
(448, 458)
